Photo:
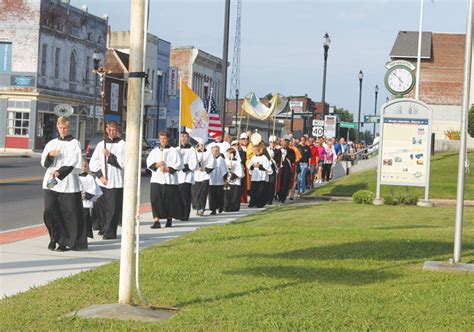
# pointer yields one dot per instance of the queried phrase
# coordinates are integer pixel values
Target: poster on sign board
(330, 124)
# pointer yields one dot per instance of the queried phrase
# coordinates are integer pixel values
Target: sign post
(405, 145)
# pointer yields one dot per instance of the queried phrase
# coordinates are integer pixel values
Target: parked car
(146, 149)
(154, 142)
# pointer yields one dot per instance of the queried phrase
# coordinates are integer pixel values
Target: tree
(470, 122)
(268, 96)
(345, 116)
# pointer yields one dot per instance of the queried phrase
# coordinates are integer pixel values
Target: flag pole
(180, 109)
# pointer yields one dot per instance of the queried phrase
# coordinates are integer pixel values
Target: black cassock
(109, 211)
(272, 178)
(199, 192)
(62, 202)
(165, 201)
(232, 199)
(285, 175)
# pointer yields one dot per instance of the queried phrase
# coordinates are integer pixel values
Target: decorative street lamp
(375, 110)
(326, 44)
(361, 78)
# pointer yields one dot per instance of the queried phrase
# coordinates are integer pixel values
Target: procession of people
(82, 196)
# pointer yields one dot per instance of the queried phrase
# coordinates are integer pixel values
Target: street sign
(330, 123)
(371, 119)
(351, 125)
(318, 131)
(318, 123)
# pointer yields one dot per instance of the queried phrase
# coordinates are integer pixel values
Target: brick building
(442, 74)
(47, 49)
(202, 71)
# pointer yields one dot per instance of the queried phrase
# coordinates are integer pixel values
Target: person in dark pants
(186, 175)
(62, 191)
(306, 155)
(232, 182)
(200, 188)
(216, 181)
(259, 168)
(107, 164)
(275, 159)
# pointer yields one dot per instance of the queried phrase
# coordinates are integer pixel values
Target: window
(57, 59)
(72, 67)
(88, 69)
(18, 123)
(5, 56)
(44, 57)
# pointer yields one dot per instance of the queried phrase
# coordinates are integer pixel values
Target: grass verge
(326, 266)
(443, 181)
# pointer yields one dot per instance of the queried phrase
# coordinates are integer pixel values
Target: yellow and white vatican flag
(193, 114)
(254, 107)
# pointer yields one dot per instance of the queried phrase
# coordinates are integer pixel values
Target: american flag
(215, 127)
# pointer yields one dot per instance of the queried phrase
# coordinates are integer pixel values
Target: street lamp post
(236, 109)
(292, 118)
(361, 78)
(96, 58)
(326, 44)
(375, 110)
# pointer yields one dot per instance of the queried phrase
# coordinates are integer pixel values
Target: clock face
(400, 80)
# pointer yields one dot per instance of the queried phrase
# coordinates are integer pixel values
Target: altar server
(186, 175)
(260, 168)
(107, 163)
(232, 183)
(216, 181)
(200, 188)
(62, 191)
(165, 163)
(90, 193)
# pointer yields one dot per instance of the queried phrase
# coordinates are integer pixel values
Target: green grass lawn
(443, 181)
(329, 266)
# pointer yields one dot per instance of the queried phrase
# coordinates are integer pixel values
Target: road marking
(17, 180)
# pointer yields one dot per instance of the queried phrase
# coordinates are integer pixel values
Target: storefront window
(18, 123)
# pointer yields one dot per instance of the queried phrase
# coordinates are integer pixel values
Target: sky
(281, 40)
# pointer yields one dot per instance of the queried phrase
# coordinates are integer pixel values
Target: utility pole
(132, 146)
(225, 57)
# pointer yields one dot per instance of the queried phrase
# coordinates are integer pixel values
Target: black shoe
(220, 210)
(108, 238)
(213, 213)
(52, 245)
(155, 225)
(101, 233)
(62, 248)
(169, 222)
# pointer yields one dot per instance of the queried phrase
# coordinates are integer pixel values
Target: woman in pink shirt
(322, 156)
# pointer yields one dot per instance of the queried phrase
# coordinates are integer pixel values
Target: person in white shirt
(165, 162)
(62, 191)
(186, 175)
(200, 188)
(232, 183)
(107, 163)
(216, 181)
(90, 193)
(260, 168)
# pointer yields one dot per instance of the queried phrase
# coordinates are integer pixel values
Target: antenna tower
(235, 76)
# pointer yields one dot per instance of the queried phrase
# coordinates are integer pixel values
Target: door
(82, 133)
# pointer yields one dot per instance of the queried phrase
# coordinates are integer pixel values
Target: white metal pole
(132, 150)
(180, 109)
(463, 147)
(418, 58)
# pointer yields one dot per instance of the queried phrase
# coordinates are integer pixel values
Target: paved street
(21, 196)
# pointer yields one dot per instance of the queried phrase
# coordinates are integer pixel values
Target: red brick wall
(180, 57)
(442, 76)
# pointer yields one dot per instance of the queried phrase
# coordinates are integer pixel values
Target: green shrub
(363, 197)
(408, 199)
(390, 200)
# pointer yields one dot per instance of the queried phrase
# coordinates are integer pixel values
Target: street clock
(400, 77)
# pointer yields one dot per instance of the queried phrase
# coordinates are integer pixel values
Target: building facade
(157, 112)
(441, 75)
(48, 49)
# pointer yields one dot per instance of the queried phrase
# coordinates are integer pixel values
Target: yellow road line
(15, 180)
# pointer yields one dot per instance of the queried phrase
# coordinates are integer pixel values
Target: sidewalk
(28, 263)
(12, 153)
